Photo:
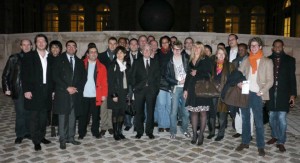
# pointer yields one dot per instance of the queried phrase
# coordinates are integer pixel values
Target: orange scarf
(253, 58)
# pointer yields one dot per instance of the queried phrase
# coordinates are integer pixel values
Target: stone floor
(161, 149)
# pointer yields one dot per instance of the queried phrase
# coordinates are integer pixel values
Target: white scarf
(121, 65)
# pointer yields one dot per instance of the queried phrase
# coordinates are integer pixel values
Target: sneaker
(173, 136)
(187, 134)
(261, 152)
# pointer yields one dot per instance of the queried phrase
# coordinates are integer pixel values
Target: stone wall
(9, 43)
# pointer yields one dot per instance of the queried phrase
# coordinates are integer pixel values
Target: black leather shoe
(219, 138)
(62, 146)
(151, 136)
(18, 140)
(138, 136)
(80, 137)
(45, 141)
(210, 136)
(37, 147)
(127, 128)
(111, 131)
(97, 136)
(161, 130)
(236, 135)
(167, 129)
(75, 142)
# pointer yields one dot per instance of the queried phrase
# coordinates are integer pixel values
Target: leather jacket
(11, 77)
(170, 72)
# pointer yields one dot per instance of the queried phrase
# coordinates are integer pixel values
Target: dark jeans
(22, 117)
(256, 104)
(89, 108)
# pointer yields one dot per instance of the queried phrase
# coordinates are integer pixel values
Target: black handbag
(130, 110)
(206, 88)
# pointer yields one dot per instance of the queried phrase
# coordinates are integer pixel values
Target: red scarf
(253, 58)
(165, 51)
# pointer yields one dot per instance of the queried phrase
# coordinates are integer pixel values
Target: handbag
(234, 97)
(206, 88)
(130, 110)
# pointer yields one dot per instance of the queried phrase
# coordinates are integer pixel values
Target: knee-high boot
(120, 125)
(116, 134)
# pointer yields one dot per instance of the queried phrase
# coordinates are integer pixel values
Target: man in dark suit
(69, 77)
(106, 58)
(282, 93)
(37, 87)
(130, 58)
(144, 79)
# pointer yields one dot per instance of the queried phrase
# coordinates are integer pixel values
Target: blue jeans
(163, 109)
(256, 104)
(178, 105)
(278, 125)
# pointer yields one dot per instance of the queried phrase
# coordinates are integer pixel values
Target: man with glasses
(175, 76)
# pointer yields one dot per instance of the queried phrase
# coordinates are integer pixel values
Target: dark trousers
(89, 108)
(146, 95)
(38, 124)
(66, 127)
(22, 117)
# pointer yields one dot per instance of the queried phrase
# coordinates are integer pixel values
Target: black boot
(116, 134)
(120, 125)
(200, 138)
(211, 128)
(195, 136)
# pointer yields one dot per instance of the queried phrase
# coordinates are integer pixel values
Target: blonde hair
(202, 54)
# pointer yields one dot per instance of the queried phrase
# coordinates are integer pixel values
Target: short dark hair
(222, 44)
(112, 38)
(133, 39)
(278, 40)
(143, 36)
(71, 41)
(164, 37)
(122, 38)
(56, 43)
(188, 38)
(178, 44)
(123, 49)
(41, 35)
(232, 34)
(209, 47)
(174, 37)
(244, 45)
(91, 47)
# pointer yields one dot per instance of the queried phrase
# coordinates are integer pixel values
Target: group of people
(57, 88)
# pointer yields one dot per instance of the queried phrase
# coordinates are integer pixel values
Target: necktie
(147, 65)
(71, 62)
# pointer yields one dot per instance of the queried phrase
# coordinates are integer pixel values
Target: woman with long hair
(200, 68)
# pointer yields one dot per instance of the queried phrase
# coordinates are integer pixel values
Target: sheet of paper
(245, 87)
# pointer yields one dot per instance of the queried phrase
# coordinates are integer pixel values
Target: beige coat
(265, 76)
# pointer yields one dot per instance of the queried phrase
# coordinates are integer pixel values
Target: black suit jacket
(104, 59)
(139, 76)
(286, 84)
(128, 59)
(63, 78)
(32, 81)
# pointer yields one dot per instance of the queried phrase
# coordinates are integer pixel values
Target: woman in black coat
(200, 68)
(118, 73)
